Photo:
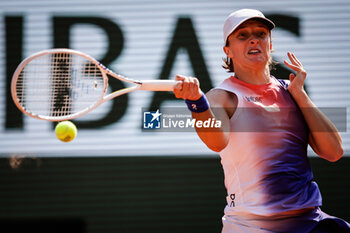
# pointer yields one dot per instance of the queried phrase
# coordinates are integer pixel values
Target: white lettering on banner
(191, 123)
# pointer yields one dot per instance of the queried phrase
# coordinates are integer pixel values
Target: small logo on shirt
(256, 99)
(232, 197)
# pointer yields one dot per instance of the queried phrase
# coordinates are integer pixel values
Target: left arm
(324, 137)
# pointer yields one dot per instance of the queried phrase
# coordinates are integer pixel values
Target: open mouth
(254, 51)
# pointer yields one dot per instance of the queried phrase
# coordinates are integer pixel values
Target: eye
(242, 35)
(262, 34)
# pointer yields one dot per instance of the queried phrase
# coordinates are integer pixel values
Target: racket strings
(59, 85)
(61, 77)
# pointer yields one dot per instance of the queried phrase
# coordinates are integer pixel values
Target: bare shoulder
(219, 98)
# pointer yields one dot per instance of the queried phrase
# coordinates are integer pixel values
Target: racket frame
(149, 85)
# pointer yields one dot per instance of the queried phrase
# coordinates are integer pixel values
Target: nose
(253, 41)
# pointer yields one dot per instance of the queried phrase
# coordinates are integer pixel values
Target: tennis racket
(62, 84)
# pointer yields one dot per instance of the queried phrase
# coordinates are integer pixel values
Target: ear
(227, 51)
(270, 46)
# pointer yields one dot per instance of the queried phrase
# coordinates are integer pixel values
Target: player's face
(250, 45)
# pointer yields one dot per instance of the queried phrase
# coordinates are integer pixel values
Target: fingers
(293, 67)
(187, 88)
(296, 80)
(291, 77)
(180, 77)
(294, 59)
(178, 86)
(295, 63)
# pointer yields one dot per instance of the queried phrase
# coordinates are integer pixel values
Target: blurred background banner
(117, 177)
(157, 40)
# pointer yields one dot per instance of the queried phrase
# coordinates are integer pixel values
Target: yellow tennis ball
(66, 131)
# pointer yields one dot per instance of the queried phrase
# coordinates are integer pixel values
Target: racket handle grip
(158, 85)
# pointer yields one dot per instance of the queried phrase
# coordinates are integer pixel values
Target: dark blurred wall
(133, 194)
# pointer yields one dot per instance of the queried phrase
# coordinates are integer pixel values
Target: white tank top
(265, 162)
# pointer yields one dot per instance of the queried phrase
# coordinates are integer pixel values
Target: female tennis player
(267, 124)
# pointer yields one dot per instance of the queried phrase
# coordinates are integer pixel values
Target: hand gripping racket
(62, 84)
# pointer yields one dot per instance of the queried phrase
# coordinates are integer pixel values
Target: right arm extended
(222, 107)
